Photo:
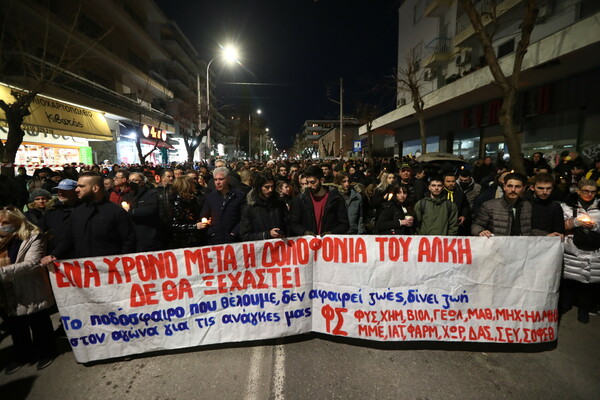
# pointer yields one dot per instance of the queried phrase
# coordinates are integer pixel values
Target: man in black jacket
(97, 227)
(451, 193)
(547, 217)
(223, 207)
(142, 204)
(320, 209)
(263, 215)
(53, 221)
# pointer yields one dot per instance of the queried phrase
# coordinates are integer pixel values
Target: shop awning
(55, 117)
(152, 142)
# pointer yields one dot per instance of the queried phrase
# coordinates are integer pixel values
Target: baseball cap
(66, 184)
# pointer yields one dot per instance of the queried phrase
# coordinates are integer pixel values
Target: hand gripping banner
(385, 288)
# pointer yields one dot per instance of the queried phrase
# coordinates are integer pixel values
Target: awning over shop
(152, 142)
(55, 117)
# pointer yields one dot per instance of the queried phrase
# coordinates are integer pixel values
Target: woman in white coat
(582, 251)
(25, 292)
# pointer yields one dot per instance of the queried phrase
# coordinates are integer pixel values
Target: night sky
(296, 50)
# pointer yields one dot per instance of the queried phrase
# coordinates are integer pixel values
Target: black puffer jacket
(388, 222)
(496, 216)
(260, 216)
(144, 208)
(185, 214)
(335, 216)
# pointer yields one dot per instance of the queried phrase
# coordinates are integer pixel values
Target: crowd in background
(99, 210)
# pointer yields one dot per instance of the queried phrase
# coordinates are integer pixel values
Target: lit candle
(584, 218)
(204, 220)
(124, 204)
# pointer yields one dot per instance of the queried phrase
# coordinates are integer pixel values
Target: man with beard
(509, 215)
(97, 227)
(320, 209)
(547, 215)
(142, 204)
(264, 214)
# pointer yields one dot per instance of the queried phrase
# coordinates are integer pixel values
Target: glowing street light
(259, 111)
(230, 55)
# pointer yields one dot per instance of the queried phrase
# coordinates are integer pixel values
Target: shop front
(154, 143)
(56, 133)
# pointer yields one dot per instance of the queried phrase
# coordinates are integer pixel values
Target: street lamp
(230, 55)
(259, 111)
(261, 143)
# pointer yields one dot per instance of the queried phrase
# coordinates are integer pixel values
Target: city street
(322, 367)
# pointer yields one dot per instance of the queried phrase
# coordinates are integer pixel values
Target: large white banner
(386, 288)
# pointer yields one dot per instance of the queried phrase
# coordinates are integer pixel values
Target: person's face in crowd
(536, 157)
(108, 184)
(542, 190)
(345, 184)
(283, 171)
(587, 193)
(326, 171)
(390, 179)
(351, 170)
(136, 179)
(120, 180)
(513, 189)
(201, 181)
(293, 170)
(193, 175)
(167, 178)
(42, 175)
(464, 180)
(40, 202)
(303, 184)
(577, 171)
(313, 183)
(219, 164)
(435, 188)
(177, 173)
(67, 196)
(450, 182)
(487, 161)
(420, 175)
(401, 196)
(221, 182)
(266, 190)
(405, 174)
(56, 179)
(284, 190)
(86, 188)
(8, 227)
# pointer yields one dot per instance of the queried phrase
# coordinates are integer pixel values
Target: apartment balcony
(437, 52)
(437, 8)
(464, 29)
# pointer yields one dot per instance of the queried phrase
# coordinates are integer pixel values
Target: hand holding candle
(125, 205)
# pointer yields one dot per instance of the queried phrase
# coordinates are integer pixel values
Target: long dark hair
(408, 204)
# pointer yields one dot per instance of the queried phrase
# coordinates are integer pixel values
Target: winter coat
(471, 192)
(354, 204)
(260, 216)
(335, 215)
(144, 212)
(388, 222)
(225, 213)
(496, 216)
(35, 215)
(581, 265)
(25, 283)
(185, 215)
(436, 216)
(97, 229)
(53, 224)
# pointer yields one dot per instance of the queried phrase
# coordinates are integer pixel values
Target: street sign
(357, 145)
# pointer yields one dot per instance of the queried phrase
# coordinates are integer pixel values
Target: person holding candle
(582, 251)
(186, 222)
(396, 217)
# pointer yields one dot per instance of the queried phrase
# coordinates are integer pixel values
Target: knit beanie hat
(39, 193)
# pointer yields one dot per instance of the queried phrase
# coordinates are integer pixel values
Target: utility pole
(341, 116)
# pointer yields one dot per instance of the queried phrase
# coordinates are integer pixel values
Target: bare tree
(328, 150)
(187, 113)
(34, 57)
(507, 84)
(409, 78)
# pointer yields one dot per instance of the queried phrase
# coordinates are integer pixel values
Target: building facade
(558, 108)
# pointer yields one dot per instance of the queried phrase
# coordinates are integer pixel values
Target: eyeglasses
(590, 192)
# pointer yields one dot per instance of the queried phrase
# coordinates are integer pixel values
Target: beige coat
(25, 284)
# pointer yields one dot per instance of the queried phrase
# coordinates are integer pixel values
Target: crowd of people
(94, 211)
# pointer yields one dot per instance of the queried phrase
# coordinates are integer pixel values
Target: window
(506, 48)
